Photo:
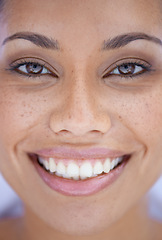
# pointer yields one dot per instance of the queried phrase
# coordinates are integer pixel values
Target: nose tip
(80, 124)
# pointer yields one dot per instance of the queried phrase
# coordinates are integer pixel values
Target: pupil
(34, 68)
(127, 68)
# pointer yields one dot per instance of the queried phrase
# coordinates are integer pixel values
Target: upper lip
(73, 153)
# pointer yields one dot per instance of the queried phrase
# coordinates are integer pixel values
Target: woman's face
(95, 91)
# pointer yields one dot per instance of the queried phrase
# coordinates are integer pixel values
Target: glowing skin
(80, 108)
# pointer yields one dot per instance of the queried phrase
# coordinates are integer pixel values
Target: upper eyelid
(45, 64)
(25, 60)
(118, 63)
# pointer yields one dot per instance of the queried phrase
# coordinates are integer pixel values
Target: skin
(117, 113)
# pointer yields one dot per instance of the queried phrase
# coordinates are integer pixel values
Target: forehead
(81, 21)
(92, 11)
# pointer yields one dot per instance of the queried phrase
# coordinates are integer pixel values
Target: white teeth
(112, 164)
(76, 178)
(98, 168)
(61, 169)
(116, 161)
(66, 176)
(86, 170)
(120, 159)
(41, 160)
(107, 165)
(73, 171)
(46, 164)
(52, 165)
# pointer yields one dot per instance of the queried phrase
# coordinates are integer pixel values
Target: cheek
(19, 113)
(143, 116)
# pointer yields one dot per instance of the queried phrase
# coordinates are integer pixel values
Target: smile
(79, 169)
(74, 172)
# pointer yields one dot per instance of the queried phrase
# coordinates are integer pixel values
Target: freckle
(69, 116)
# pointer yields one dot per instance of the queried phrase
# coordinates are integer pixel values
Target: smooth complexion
(82, 100)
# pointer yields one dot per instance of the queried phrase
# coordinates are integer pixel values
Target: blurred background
(11, 205)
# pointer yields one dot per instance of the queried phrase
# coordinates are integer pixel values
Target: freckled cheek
(19, 113)
(143, 116)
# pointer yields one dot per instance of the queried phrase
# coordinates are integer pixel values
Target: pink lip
(82, 187)
(71, 153)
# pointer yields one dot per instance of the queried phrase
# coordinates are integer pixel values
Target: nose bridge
(80, 112)
(80, 104)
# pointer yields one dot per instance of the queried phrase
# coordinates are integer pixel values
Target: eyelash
(145, 68)
(23, 63)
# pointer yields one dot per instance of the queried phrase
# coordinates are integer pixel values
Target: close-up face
(81, 96)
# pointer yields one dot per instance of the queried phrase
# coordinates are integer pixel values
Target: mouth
(79, 169)
(78, 177)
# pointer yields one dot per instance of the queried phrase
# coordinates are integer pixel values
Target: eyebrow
(112, 43)
(124, 39)
(38, 39)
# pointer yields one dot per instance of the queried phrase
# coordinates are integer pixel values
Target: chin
(84, 223)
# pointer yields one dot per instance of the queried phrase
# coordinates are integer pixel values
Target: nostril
(95, 131)
(66, 124)
(63, 132)
(66, 133)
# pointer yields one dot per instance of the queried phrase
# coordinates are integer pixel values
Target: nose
(80, 113)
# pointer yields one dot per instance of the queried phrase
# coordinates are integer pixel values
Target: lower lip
(86, 187)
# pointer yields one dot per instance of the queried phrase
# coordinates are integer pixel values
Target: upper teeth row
(73, 171)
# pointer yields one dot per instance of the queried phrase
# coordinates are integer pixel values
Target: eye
(31, 69)
(128, 69)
